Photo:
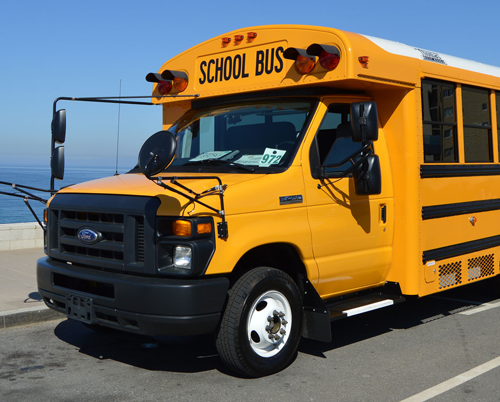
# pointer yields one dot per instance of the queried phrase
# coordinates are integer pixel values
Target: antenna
(118, 133)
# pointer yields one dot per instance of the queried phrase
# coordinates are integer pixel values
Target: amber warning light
(306, 59)
(168, 80)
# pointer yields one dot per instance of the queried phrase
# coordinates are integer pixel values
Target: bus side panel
(398, 111)
(458, 244)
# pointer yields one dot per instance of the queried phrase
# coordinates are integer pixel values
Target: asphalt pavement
(442, 347)
(20, 303)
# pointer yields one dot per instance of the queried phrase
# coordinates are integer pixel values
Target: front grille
(110, 226)
(140, 238)
(124, 224)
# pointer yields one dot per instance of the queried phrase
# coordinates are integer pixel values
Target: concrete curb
(16, 236)
(30, 315)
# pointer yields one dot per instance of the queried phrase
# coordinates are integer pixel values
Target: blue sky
(67, 48)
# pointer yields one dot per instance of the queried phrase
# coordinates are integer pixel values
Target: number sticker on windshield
(210, 155)
(271, 157)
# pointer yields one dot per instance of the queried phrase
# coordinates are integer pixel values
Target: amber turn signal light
(181, 228)
(204, 228)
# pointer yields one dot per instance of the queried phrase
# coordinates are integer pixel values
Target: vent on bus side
(481, 267)
(450, 275)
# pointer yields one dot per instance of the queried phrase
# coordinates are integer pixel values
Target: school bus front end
(283, 193)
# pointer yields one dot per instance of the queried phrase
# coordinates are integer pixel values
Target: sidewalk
(20, 302)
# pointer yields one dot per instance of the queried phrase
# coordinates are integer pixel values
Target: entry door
(351, 234)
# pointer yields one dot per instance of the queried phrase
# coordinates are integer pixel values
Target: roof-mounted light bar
(168, 79)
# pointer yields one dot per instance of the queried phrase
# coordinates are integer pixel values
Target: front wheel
(261, 326)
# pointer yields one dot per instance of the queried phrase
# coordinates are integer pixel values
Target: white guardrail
(15, 236)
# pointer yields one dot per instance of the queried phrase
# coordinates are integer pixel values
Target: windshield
(258, 137)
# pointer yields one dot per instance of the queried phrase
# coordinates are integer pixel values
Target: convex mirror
(157, 153)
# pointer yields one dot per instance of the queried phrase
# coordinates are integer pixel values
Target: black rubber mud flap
(316, 317)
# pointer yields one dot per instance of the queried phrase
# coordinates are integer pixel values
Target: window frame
(488, 128)
(447, 86)
(314, 152)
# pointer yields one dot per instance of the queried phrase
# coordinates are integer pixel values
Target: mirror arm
(349, 158)
(34, 214)
(153, 158)
(362, 121)
(321, 171)
(222, 226)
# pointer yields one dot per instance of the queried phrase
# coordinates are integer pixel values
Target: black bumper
(144, 305)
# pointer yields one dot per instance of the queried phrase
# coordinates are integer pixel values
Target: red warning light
(164, 87)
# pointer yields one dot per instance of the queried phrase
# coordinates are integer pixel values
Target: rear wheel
(260, 329)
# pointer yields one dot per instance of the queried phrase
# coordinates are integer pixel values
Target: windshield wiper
(220, 162)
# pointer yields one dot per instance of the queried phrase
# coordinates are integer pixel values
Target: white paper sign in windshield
(249, 160)
(271, 157)
(210, 155)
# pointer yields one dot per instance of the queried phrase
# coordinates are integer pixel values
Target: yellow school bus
(302, 175)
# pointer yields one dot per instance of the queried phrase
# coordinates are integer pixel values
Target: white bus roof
(428, 55)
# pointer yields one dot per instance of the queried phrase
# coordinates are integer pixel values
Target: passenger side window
(439, 121)
(477, 128)
(334, 139)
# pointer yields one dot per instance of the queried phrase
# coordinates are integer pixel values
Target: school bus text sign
(241, 66)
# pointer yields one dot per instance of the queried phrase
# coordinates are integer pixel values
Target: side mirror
(367, 178)
(364, 121)
(157, 153)
(57, 163)
(59, 126)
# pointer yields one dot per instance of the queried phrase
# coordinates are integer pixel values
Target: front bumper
(144, 305)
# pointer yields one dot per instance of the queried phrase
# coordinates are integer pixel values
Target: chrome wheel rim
(269, 323)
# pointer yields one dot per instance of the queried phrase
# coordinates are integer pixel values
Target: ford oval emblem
(88, 236)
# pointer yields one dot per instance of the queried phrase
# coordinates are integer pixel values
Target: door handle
(383, 213)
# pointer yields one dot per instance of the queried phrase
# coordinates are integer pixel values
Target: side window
(334, 139)
(439, 121)
(477, 128)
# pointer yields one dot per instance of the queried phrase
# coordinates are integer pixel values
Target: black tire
(264, 302)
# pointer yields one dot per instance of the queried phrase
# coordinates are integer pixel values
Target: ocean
(14, 210)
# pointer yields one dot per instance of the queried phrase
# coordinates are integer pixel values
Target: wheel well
(281, 256)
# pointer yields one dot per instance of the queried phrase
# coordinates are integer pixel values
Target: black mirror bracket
(363, 153)
(222, 228)
(364, 121)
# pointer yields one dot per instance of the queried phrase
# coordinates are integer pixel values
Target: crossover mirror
(157, 153)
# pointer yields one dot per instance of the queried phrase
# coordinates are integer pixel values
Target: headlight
(182, 257)
(184, 246)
